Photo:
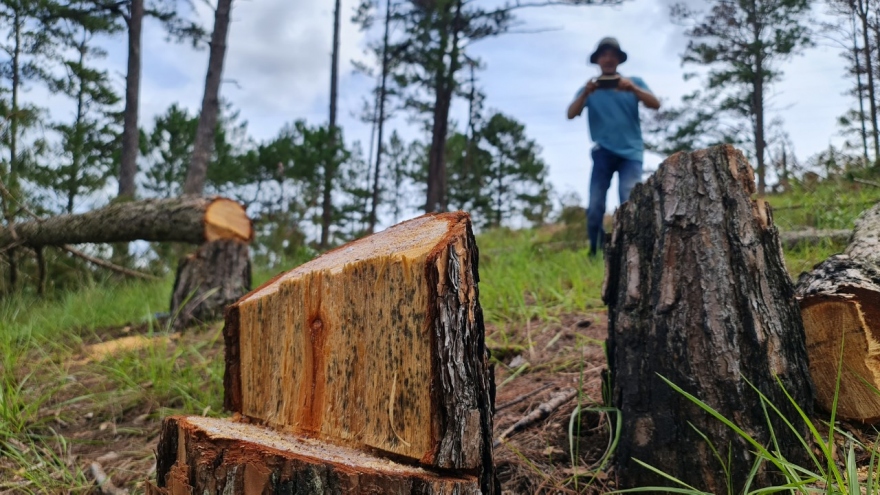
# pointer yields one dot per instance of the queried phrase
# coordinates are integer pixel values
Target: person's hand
(591, 86)
(626, 84)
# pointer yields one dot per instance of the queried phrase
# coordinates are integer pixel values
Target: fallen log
(811, 237)
(840, 306)
(376, 347)
(193, 220)
(205, 455)
(697, 293)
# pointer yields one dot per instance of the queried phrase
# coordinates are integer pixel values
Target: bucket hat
(608, 42)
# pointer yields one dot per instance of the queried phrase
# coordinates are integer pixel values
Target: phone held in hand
(608, 82)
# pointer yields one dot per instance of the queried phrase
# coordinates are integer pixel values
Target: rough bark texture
(130, 136)
(204, 455)
(377, 345)
(698, 293)
(840, 304)
(210, 279)
(191, 220)
(204, 144)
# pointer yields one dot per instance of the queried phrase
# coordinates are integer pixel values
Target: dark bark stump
(207, 281)
(377, 345)
(840, 304)
(204, 455)
(698, 293)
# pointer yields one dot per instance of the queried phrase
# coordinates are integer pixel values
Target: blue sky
(279, 60)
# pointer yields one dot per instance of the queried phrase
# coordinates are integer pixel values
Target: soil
(538, 361)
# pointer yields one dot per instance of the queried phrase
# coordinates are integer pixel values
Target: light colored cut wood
(837, 321)
(377, 345)
(840, 305)
(227, 219)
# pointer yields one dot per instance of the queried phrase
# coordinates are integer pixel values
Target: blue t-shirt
(613, 117)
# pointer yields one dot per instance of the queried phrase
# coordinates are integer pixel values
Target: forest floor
(87, 376)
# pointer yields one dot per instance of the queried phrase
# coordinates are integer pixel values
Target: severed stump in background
(219, 272)
(698, 293)
(374, 348)
(840, 304)
(209, 280)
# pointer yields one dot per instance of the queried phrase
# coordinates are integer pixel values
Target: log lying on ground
(698, 293)
(192, 220)
(377, 346)
(207, 281)
(205, 455)
(840, 305)
(811, 237)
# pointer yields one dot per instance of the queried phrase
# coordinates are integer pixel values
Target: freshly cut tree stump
(840, 304)
(205, 455)
(376, 347)
(698, 293)
(193, 220)
(207, 281)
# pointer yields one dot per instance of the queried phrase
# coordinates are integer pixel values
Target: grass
(829, 204)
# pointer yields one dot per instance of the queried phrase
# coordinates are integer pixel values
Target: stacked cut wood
(840, 305)
(362, 371)
(698, 295)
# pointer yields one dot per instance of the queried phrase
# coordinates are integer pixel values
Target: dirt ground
(541, 361)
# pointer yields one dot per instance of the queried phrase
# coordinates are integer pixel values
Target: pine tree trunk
(374, 204)
(377, 346)
(205, 455)
(872, 102)
(209, 280)
(840, 304)
(130, 131)
(207, 127)
(330, 166)
(698, 293)
(193, 220)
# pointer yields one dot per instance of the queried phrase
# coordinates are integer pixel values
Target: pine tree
(742, 43)
(88, 144)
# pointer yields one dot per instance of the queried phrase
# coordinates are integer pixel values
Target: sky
(278, 70)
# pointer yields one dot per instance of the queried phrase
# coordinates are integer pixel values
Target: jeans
(605, 163)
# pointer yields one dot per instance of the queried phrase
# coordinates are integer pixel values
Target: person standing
(612, 103)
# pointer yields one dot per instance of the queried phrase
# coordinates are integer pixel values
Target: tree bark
(330, 166)
(193, 220)
(207, 127)
(698, 293)
(205, 455)
(840, 304)
(386, 338)
(207, 281)
(130, 132)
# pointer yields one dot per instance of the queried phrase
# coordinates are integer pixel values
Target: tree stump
(220, 456)
(215, 276)
(698, 292)
(376, 347)
(840, 304)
